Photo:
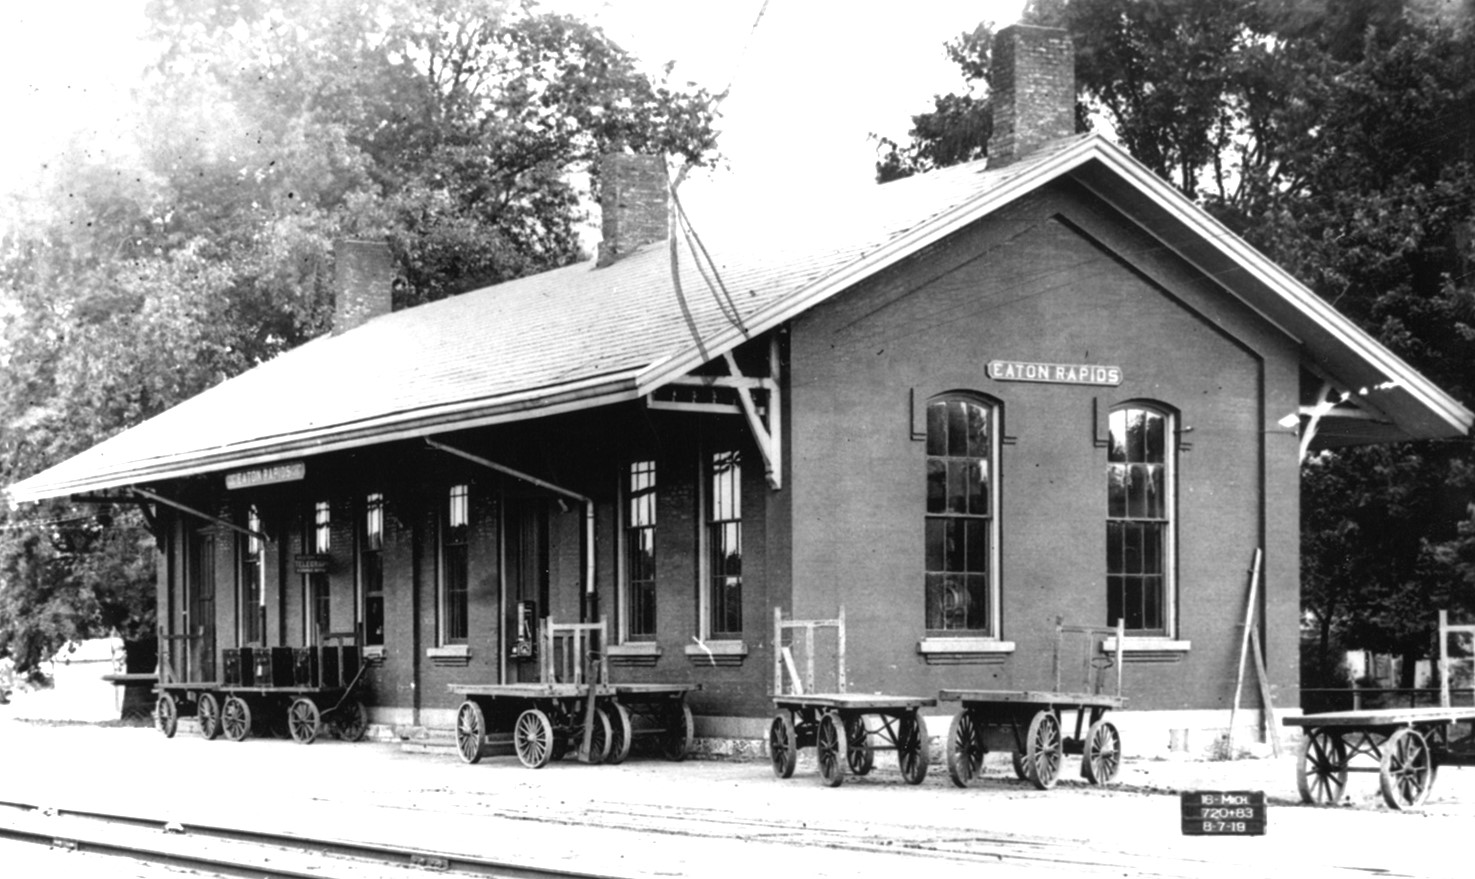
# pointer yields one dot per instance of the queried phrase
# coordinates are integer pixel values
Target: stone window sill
(1148, 649)
(717, 653)
(964, 651)
(450, 654)
(644, 653)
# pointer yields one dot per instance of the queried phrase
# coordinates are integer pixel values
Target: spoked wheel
(964, 749)
(680, 731)
(830, 748)
(1407, 770)
(1021, 771)
(351, 721)
(1045, 750)
(599, 737)
(471, 732)
(783, 750)
(532, 738)
(620, 733)
(207, 714)
(913, 748)
(235, 718)
(303, 720)
(1321, 768)
(860, 755)
(1102, 757)
(166, 715)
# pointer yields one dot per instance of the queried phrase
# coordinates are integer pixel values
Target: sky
(809, 84)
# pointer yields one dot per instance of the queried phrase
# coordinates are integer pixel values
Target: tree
(1340, 139)
(458, 130)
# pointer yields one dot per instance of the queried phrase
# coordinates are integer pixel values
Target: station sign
(1223, 813)
(1055, 373)
(291, 471)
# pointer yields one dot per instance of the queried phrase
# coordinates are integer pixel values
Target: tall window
(960, 530)
(371, 569)
(1139, 516)
(454, 575)
(640, 551)
(251, 551)
(319, 538)
(725, 547)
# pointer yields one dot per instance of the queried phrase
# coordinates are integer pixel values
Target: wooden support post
(1268, 708)
(1244, 648)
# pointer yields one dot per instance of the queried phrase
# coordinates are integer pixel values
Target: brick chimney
(1034, 90)
(633, 203)
(363, 281)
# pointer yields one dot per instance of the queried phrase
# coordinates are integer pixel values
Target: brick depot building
(959, 405)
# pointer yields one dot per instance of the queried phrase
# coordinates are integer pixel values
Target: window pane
(1132, 548)
(1152, 611)
(1136, 491)
(937, 428)
(936, 485)
(1114, 553)
(978, 488)
(1152, 548)
(957, 428)
(1116, 490)
(1155, 438)
(975, 538)
(957, 486)
(955, 555)
(1135, 434)
(1115, 600)
(1157, 504)
(977, 431)
(1117, 425)
(1133, 602)
(977, 591)
(936, 544)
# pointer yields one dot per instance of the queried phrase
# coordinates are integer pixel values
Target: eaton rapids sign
(1054, 373)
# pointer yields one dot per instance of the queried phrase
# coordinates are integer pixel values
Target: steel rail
(237, 851)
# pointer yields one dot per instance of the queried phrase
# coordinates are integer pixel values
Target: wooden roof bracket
(767, 428)
(158, 498)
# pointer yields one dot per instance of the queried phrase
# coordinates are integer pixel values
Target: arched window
(1139, 519)
(961, 531)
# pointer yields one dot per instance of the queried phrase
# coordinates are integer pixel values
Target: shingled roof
(583, 336)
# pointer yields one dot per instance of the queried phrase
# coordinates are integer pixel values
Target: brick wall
(1033, 90)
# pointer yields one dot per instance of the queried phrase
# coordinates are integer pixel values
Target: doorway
(525, 535)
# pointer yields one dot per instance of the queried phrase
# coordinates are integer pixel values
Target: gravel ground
(649, 817)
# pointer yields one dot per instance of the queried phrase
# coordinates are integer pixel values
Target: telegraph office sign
(291, 471)
(1055, 373)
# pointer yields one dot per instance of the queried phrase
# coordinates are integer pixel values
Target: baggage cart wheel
(679, 733)
(303, 719)
(1102, 757)
(829, 746)
(913, 748)
(471, 732)
(532, 738)
(964, 749)
(207, 713)
(235, 718)
(1321, 768)
(351, 721)
(783, 750)
(620, 734)
(1021, 771)
(599, 740)
(859, 753)
(166, 715)
(1406, 771)
(1045, 750)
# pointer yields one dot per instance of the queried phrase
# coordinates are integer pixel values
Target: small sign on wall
(1055, 373)
(313, 563)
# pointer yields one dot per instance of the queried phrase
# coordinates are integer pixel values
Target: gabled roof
(582, 336)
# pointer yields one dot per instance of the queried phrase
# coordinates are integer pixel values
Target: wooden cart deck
(1378, 718)
(1405, 746)
(1031, 697)
(854, 701)
(530, 690)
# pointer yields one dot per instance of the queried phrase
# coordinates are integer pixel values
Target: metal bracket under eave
(168, 502)
(767, 425)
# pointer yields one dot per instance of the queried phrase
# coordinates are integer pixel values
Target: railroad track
(211, 850)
